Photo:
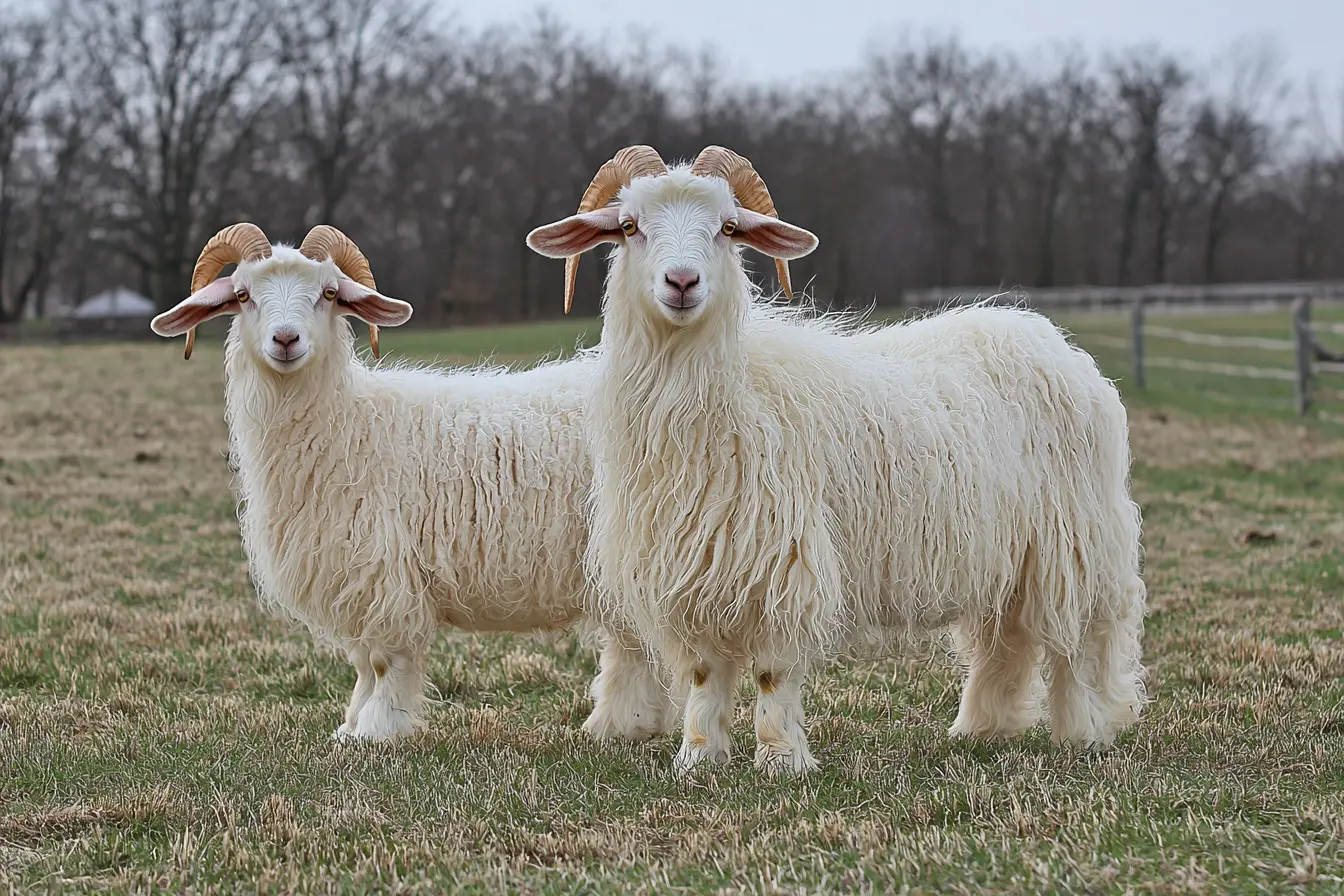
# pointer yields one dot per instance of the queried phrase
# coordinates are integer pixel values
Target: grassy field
(158, 732)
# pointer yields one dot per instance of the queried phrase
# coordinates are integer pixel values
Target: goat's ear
(370, 306)
(210, 301)
(577, 233)
(771, 236)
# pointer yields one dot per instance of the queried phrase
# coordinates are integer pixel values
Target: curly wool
(378, 504)
(765, 479)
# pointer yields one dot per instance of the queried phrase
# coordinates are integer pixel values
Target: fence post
(1136, 320)
(1302, 348)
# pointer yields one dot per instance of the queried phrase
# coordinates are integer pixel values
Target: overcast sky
(769, 39)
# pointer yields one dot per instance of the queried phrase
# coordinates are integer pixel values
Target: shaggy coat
(770, 489)
(378, 505)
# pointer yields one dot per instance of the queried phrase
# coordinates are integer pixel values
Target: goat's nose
(285, 338)
(681, 278)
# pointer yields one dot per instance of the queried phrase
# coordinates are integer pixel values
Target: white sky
(773, 39)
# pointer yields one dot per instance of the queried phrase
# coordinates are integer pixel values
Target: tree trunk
(1128, 222)
(1162, 231)
(1214, 233)
(1045, 271)
(991, 271)
(842, 263)
(168, 284)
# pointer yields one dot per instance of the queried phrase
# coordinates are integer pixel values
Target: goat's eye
(329, 293)
(240, 294)
(628, 228)
(729, 227)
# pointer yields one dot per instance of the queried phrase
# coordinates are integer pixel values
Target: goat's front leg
(781, 739)
(709, 711)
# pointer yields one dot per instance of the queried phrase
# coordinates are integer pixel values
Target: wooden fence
(1310, 357)
(1301, 343)
(1212, 297)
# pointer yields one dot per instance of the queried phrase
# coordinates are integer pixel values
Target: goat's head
(288, 299)
(678, 229)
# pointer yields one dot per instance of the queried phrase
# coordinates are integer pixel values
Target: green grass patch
(158, 732)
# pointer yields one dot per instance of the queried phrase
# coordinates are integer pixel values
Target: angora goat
(378, 505)
(770, 489)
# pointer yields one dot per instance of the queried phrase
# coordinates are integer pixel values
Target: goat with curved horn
(238, 242)
(625, 166)
(748, 188)
(325, 241)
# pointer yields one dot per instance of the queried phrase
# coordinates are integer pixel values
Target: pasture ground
(158, 732)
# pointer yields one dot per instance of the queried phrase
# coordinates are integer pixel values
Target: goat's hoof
(961, 730)
(602, 726)
(694, 756)
(984, 730)
(778, 761)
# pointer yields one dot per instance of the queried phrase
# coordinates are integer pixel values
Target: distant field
(1201, 393)
(158, 732)
(509, 343)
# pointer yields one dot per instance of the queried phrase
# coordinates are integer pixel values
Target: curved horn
(239, 242)
(748, 188)
(325, 241)
(625, 166)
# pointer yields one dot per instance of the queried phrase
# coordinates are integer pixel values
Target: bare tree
(1311, 183)
(347, 57)
(1050, 131)
(1231, 136)
(183, 82)
(438, 146)
(1147, 85)
(25, 72)
(928, 95)
(59, 196)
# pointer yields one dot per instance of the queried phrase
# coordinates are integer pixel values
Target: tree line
(131, 130)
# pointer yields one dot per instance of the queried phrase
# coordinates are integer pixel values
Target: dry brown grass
(156, 731)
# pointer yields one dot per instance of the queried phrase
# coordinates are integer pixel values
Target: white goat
(769, 489)
(377, 505)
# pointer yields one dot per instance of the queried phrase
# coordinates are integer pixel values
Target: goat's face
(286, 319)
(676, 242)
(287, 305)
(678, 235)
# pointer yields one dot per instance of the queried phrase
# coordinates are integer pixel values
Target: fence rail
(1215, 367)
(1310, 358)
(1241, 295)
(1192, 338)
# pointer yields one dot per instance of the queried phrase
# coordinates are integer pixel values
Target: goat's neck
(270, 414)
(658, 378)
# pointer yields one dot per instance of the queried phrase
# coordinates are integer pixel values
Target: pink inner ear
(370, 306)
(577, 233)
(771, 236)
(208, 302)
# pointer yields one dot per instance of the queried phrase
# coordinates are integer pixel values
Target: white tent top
(118, 302)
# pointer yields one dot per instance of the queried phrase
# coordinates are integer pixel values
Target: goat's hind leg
(1099, 691)
(395, 706)
(999, 698)
(364, 681)
(630, 700)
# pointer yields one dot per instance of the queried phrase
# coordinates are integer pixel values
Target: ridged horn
(239, 242)
(625, 166)
(748, 188)
(325, 241)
